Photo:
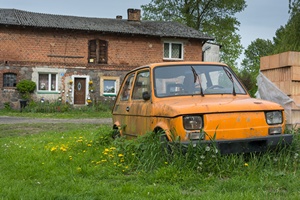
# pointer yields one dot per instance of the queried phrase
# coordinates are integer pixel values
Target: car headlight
(274, 117)
(192, 122)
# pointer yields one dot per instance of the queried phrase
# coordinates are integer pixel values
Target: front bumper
(257, 144)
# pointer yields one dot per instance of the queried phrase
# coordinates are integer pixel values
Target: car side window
(141, 85)
(127, 87)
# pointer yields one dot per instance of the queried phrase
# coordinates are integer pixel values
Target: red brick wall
(65, 47)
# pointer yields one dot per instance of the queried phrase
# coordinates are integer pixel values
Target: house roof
(123, 26)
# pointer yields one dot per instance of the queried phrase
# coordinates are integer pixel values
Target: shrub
(26, 87)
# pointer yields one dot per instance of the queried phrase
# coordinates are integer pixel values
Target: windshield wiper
(231, 79)
(196, 76)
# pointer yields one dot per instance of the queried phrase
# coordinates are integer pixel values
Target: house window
(9, 80)
(109, 87)
(97, 51)
(173, 50)
(47, 82)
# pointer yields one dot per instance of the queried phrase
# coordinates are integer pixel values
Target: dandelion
(112, 148)
(89, 145)
(53, 149)
(80, 140)
(122, 160)
(207, 148)
(63, 148)
(166, 163)
(246, 165)
(70, 158)
(120, 155)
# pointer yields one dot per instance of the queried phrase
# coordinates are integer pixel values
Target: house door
(79, 91)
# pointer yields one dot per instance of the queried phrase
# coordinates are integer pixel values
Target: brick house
(75, 58)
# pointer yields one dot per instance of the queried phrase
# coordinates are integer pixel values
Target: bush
(26, 87)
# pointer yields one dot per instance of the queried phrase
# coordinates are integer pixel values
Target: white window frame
(170, 50)
(111, 78)
(49, 81)
(115, 86)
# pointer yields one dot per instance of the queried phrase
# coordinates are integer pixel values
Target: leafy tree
(251, 62)
(287, 38)
(213, 17)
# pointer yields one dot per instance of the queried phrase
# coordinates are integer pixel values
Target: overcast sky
(260, 19)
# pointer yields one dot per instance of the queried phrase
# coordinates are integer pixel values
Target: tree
(251, 62)
(212, 17)
(287, 38)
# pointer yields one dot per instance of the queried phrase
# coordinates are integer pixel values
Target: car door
(123, 104)
(140, 108)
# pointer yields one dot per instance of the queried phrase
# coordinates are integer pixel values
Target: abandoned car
(198, 102)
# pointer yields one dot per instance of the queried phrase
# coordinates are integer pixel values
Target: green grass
(84, 112)
(76, 161)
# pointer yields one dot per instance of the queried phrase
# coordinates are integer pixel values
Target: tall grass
(83, 162)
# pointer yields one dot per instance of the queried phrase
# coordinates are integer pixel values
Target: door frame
(87, 79)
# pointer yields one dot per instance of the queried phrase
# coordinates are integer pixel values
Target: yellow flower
(166, 163)
(53, 149)
(120, 155)
(63, 148)
(246, 165)
(90, 82)
(89, 145)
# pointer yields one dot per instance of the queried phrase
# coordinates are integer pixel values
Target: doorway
(79, 90)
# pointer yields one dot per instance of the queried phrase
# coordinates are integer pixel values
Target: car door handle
(127, 108)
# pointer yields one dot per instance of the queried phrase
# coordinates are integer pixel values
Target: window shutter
(92, 58)
(102, 52)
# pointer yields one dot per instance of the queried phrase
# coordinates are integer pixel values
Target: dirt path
(16, 120)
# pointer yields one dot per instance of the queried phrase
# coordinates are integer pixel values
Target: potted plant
(25, 88)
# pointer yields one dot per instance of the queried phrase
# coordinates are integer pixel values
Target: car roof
(162, 64)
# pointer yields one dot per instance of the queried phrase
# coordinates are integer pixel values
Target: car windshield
(203, 80)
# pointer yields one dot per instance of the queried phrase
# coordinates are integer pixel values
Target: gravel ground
(16, 120)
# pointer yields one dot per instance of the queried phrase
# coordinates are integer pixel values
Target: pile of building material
(279, 81)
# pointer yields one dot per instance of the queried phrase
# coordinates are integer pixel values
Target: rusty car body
(198, 102)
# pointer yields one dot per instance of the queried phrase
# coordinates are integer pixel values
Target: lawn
(81, 161)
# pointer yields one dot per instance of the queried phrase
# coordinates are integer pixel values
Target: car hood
(172, 107)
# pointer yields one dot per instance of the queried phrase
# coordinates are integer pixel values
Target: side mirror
(146, 96)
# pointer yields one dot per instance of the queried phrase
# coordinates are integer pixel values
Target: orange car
(198, 102)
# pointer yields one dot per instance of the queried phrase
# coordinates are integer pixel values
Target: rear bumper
(258, 144)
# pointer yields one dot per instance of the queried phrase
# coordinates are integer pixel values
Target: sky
(260, 19)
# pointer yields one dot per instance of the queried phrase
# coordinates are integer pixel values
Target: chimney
(134, 14)
(119, 17)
